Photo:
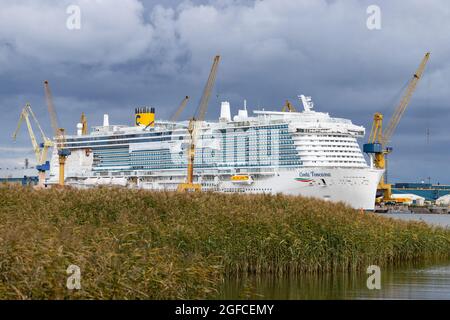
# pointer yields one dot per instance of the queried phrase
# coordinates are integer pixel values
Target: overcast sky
(131, 53)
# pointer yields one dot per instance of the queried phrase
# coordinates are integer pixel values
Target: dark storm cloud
(130, 53)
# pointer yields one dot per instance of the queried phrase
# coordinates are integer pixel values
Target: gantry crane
(193, 128)
(377, 145)
(59, 133)
(180, 109)
(40, 150)
(288, 107)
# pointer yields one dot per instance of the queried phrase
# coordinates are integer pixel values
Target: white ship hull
(355, 187)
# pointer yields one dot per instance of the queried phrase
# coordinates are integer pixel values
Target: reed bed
(132, 244)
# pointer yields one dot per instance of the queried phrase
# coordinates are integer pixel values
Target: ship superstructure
(304, 153)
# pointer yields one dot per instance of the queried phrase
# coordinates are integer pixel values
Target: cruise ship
(306, 153)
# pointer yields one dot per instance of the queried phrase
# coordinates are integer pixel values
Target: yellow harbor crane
(180, 109)
(84, 124)
(59, 133)
(194, 125)
(288, 107)
(84, 131)
(379, 138)
(175, 115)
(40, 150)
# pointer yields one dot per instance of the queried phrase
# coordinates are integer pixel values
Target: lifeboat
(242, 179)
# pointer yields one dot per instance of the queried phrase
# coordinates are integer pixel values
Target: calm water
(442, 220)
(412, 282)
(420, 281)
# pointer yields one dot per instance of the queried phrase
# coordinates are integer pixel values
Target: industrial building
(431, 192)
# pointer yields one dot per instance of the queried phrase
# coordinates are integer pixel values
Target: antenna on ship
(307, 102)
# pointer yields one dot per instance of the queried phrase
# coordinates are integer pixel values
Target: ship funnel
(79, 129)
(144, 117)
(243, 114)
(225, 113)
(106, 120)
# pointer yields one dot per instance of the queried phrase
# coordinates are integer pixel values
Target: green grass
(154, 245)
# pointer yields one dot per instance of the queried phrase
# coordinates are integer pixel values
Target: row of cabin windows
(247, 189)
(336, 161)
(327, 151)
(354, 146)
